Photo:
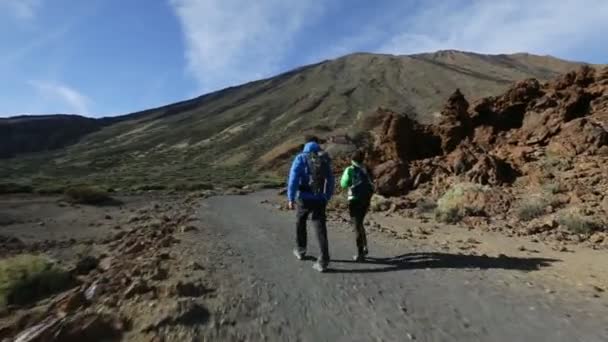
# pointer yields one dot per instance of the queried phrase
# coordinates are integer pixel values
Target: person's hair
(358, 156)
(311, 138)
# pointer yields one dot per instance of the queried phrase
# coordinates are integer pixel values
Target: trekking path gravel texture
(407, 290)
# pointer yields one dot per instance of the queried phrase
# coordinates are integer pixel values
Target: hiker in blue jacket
(310, 187)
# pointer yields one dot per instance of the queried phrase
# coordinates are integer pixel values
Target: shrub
(552, 164)
(380, 203)
(553, 188)
(578, 223)
(151, 187)
(26, 278)
(458, 202)
(87, 195)
(531, 208)
(14, 188)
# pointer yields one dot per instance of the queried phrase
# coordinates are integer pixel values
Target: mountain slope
(237, 126)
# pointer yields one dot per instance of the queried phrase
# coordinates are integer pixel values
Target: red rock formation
(496, 139)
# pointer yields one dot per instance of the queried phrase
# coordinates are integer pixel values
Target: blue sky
(109, 57)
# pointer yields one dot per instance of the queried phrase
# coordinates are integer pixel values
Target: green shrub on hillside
(456, 203)
(14, 188)
(578, 223)
(26, 278)
(531, 208)
(87, 195)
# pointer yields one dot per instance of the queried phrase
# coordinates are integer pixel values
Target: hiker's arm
(330, 183)
(346, 180)
(294, 179)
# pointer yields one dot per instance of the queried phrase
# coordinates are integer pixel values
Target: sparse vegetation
(553, 188)
(26, 278)
(50, 190)
(380, 203)
(456, 203)
(531, 208)
(578, 223)
(150, 187)
(87, 195)
(14, 188)
(553, 164)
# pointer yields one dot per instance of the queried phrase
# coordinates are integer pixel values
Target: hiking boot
(318, 266)
(359, 258)
(299, 253)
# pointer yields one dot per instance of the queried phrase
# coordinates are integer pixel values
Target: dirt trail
(408, 291)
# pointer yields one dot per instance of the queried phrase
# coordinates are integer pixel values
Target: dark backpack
(362, 187)
(318, 169)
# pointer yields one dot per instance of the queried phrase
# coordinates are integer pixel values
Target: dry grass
(380, 203)
(578, 223)
(532, 208)
(14, 188)
(455, 204)
(26, 278)
(553, 188)
(88, 195)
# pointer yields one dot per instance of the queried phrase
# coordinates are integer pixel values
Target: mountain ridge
(236, 126)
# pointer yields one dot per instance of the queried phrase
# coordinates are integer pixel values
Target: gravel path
(405, 292)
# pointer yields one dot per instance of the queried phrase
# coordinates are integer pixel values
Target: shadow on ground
(444, 260)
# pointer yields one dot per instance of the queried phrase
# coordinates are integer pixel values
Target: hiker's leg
(364, 211)
(302, 212)
(319, 220)
(354, 210)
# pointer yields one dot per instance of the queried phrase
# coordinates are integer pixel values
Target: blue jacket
(299, 175)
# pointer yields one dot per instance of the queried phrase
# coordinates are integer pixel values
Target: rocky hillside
(533, 159)
(258, 123)
(24, 134)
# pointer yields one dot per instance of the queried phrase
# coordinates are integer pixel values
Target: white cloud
(67, 99)
(21, 9)
(233, 41)
(541, 26)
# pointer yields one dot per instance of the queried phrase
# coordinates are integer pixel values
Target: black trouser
(319, 220)
(357, 210)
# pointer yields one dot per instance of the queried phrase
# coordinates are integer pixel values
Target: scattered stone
(90, 327)
(138, 287)
(105, 264)
(94, 291)
(108, 217)
(168, 241)
(597, 238)
(71, 303)
(473, 241)
(154, 224)
(195, 266)
(160, 274)
(134, 218)
(183, 312)
(86, 264)
(187, 228)
(136, 248)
